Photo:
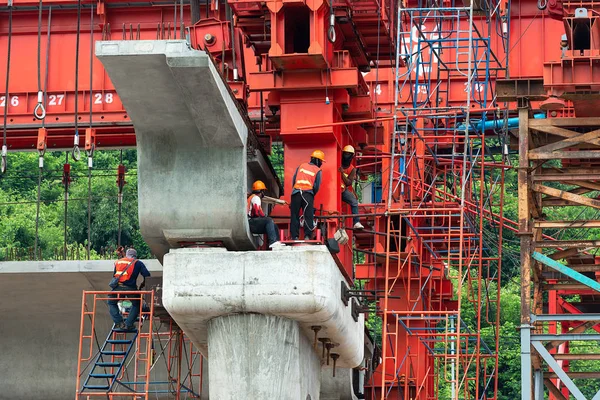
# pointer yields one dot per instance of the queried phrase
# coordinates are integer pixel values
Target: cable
(66, 181)
(120, 204)
(39, 112)
(90, 152)
(76, 153)
(47, 62)
(6, 101)
(37, 210)
(331, 30)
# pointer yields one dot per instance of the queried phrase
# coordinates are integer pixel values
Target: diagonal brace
(571, 197)
(589, 137)
(558, 370)
(563, 269)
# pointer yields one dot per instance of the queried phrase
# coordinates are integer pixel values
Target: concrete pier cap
(291, 287)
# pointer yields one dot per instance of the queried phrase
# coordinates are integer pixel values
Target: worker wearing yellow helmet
(305, 185)
(348, 172)
(258, 221)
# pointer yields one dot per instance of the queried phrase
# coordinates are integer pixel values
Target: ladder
(116, 349)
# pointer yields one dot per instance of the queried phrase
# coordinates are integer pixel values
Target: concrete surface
(194, 169)
(338, 387)
(298, 283)
(253, 356)
(39, 333)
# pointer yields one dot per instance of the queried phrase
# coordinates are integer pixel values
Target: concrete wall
(40, 311)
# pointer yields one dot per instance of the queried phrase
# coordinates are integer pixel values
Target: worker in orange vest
(127, 271)
(348, 172)
(305, 185)
(258, 221)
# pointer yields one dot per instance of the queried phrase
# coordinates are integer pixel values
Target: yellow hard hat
(258, 185)
(348, 149)
(318, 154)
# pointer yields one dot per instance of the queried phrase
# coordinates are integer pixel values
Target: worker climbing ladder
(134, 364)
(121, 365)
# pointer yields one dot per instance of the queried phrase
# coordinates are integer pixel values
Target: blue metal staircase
(116, 350)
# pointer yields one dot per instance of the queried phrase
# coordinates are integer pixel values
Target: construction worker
(258, 221)
(120, 252)
(127, 271)
(348, 172)
(305, 184)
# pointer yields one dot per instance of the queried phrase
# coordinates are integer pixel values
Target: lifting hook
(4, 151)
(39, 111)
(76, 153)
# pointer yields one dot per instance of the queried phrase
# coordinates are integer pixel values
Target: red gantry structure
(433, 95)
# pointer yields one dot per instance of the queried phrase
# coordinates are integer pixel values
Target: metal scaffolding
(436, 269)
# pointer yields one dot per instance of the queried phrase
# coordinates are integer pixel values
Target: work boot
(120, 326)
(129, 327)
(358, 225)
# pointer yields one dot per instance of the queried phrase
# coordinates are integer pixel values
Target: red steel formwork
(419, 88)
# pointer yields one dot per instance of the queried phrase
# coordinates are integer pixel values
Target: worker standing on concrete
(127, 271)
(258, 221)
(306, 183)
(348, 172)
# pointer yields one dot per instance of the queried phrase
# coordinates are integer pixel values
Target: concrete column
(256, 356)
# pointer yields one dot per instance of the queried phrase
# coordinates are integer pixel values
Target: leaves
(18, 198)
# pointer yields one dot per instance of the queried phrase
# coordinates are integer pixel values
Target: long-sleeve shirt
(138, 268)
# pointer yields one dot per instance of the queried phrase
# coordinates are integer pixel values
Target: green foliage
(18, 208)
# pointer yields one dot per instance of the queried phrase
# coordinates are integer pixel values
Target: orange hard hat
(319, 155)
(258, 185)
(348, 149)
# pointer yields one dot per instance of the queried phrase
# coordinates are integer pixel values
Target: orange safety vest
(120, 265)
(346, 174)
(305, 178)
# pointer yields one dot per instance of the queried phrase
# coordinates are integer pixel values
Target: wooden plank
(554, 390)
(549, 202)
(566, 174)
(577, 356)
(586, 184)
(525, 228)
(578, 329)
(580, 287)
(564, 177)
(574, 375)
(580, 244)
(589, 137)
(558, 255)
(571, 197)
(587, 154)
(567, 224)
(563, 122)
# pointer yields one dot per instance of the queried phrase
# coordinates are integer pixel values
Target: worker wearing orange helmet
(258, 221)
(305, 185)
(348, 172)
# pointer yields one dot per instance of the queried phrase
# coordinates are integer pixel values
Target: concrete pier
(253, 313)
(254, 356)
